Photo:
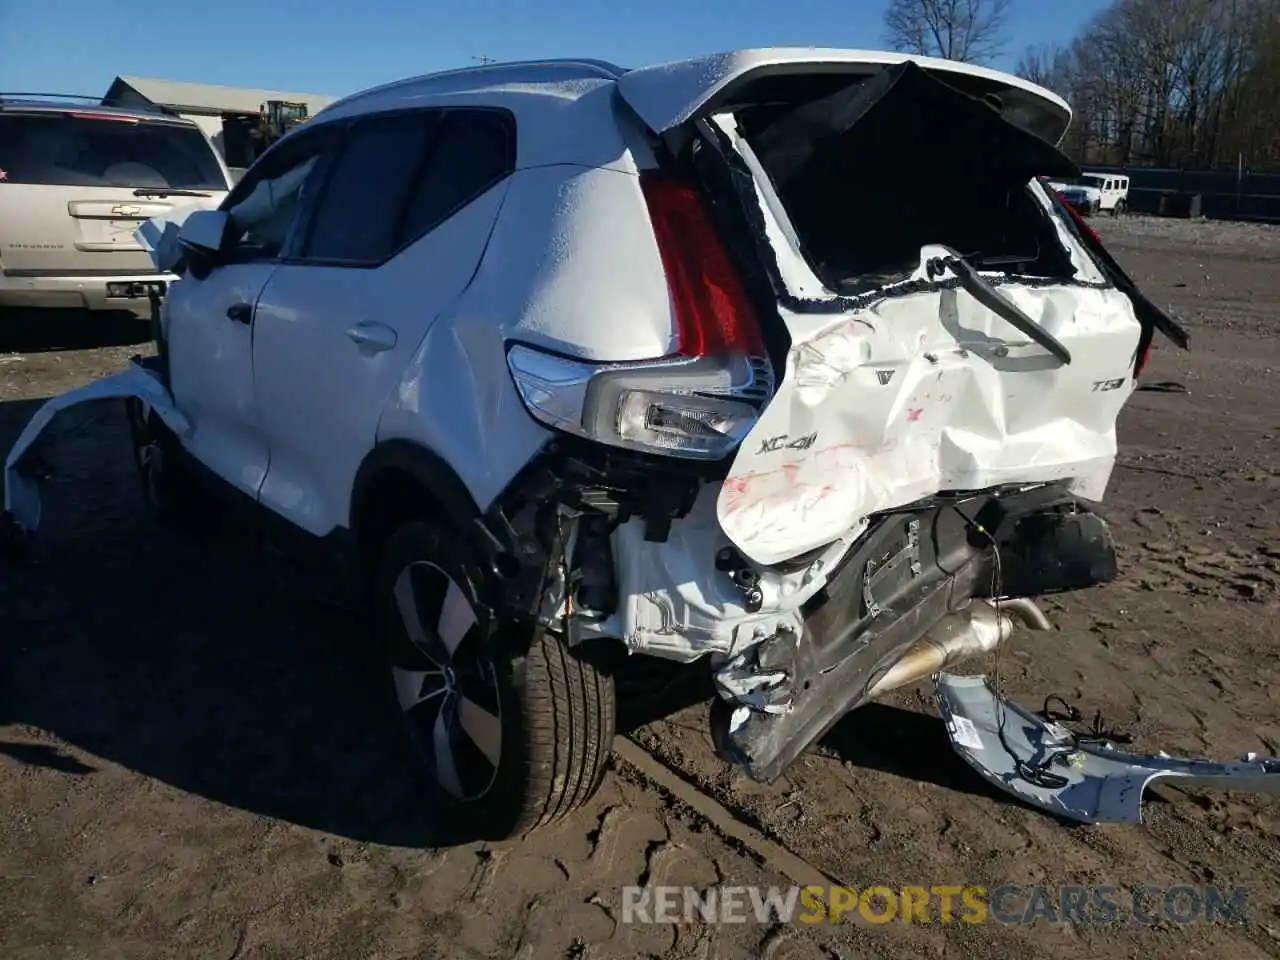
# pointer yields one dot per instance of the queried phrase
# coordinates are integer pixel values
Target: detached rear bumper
(80, 291)
(31, 457)
(1047, 766)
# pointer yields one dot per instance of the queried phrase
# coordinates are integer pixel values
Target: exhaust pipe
(960, 636)
(1023, 609)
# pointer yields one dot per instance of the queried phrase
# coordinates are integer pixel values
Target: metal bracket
(909, 554)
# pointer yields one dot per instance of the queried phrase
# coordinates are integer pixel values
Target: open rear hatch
(948, 327)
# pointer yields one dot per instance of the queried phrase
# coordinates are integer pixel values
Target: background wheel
(172, 494)
(1118, 209)
(513, 731)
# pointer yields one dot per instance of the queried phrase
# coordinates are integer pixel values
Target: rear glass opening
(65, 150)
(877, 168)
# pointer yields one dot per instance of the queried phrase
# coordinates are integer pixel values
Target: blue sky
(339, 46)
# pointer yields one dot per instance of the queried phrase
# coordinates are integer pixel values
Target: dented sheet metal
(29, 459)
(929, 391)
(1099, 783)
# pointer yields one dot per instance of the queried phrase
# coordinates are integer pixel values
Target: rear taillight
(699, 402)
(713, 313)
(1141, 362)
(1080, 222)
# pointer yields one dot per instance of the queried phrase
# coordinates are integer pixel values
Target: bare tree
(1164, 83)
(1171, 83)
(970, 30)
(1046, 64)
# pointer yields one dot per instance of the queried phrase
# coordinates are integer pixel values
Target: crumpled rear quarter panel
(924, 393)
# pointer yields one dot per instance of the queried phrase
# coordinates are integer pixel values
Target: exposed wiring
(1036, 773)
(1097, 733)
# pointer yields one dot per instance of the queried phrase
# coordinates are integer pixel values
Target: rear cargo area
(870, 173)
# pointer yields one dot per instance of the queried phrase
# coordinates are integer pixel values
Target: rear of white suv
(699, 362)
(76, 181)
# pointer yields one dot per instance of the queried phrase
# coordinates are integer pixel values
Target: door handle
(240, 312)
(375, 336)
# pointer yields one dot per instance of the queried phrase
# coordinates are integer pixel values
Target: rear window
(857, 175)
(81, 151)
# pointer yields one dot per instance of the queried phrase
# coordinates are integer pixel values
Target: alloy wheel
(445, 683)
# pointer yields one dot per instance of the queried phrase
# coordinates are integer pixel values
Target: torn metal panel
(924, 392)
(1088, 782)
(28, 459)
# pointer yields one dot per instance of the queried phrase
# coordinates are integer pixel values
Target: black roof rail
(8, 95)
(149, 106)
(145, 107)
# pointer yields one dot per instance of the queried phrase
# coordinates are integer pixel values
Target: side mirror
(204, 231)
(184, 236)
(201, 238)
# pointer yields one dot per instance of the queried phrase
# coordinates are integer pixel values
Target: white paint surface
(911, 396)
(669, 94)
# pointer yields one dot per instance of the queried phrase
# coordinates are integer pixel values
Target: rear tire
(1118, 209)
(513, 731)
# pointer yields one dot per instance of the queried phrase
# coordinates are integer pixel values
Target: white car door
(209, 320)
(394, 235)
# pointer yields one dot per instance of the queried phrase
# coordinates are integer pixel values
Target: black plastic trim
(424, 466)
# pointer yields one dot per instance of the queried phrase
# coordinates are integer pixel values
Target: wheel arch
(399, 480)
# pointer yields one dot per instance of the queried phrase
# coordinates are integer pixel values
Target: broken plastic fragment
(1091, 783)
(22, 468)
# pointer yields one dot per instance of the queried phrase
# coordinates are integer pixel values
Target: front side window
(264, 204)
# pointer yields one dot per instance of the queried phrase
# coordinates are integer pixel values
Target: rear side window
(84, 151)
(358, 216)
(402, 175)
(473, 150)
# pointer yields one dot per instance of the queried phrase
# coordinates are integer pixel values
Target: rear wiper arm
(990, 298)
(167, 192)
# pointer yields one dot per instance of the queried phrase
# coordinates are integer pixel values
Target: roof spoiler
(668, 95)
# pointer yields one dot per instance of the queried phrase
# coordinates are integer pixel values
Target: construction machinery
(275, 119)
(282, 116)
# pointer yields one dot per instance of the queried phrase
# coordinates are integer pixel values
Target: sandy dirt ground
(193, 761)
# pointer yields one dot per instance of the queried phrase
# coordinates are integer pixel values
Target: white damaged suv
(558, 362)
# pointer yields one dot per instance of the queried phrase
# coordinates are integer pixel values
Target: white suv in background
(1094, 193)
(559, 363)
(76, 181)
(1113, 192)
